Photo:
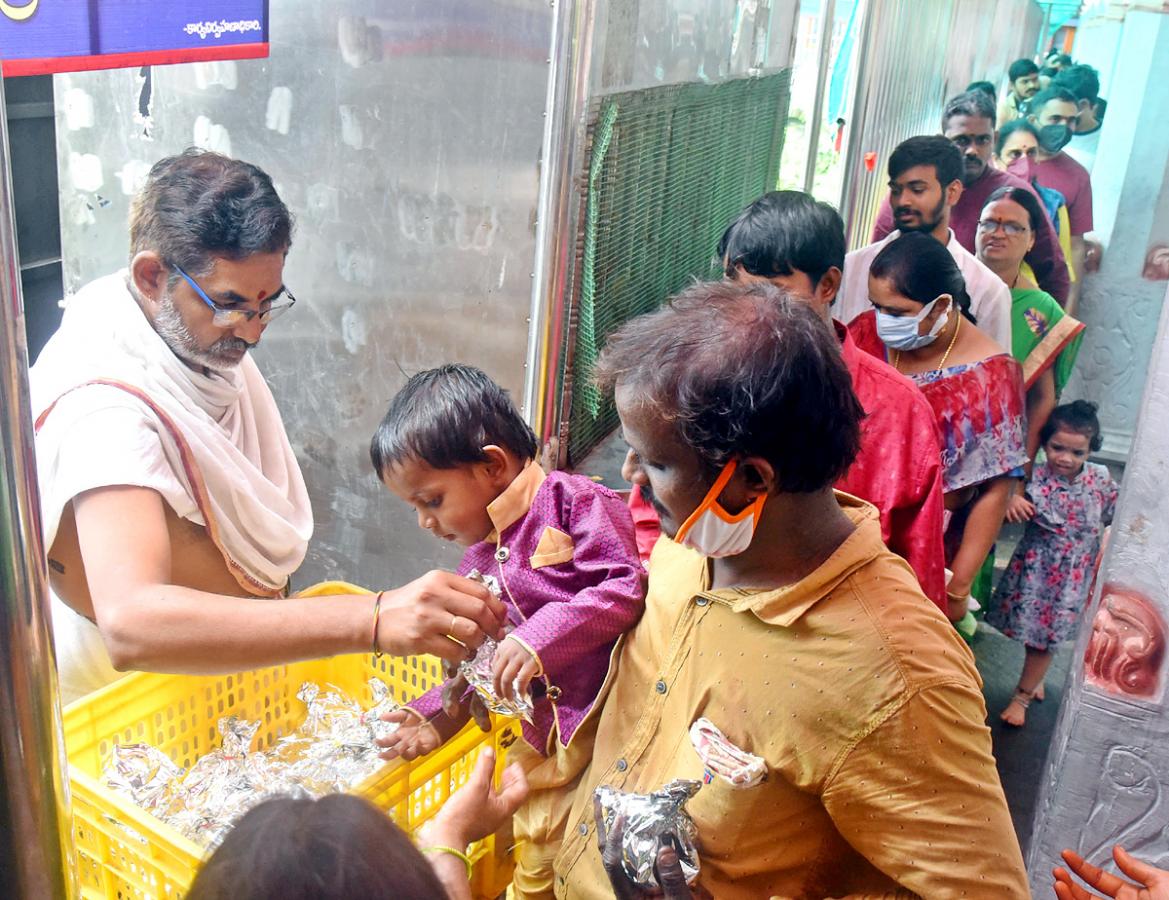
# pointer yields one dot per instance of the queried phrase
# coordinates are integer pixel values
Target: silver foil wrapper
(478, 669)
(383, 704)
(648, 819)
(222, 785)
(144, 772)
(332, 751)
(478, 672)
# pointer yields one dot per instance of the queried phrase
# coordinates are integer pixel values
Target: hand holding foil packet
(650, 819)
(479, 673)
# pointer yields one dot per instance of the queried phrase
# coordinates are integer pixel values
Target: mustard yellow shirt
(862, 700)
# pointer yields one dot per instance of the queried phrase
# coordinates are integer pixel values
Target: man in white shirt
(925, 181)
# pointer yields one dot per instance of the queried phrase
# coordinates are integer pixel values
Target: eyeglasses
(1011, 229)
(229, 318)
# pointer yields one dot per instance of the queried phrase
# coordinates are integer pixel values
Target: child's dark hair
(1078, 417)
(299, 849)
(743, 370)
(445, 417)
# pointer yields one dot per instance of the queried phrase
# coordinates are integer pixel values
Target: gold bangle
(441, 848)
(377, 614)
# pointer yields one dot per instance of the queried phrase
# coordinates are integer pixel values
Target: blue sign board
(40, 36)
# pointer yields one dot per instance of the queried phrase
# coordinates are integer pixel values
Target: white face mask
(713, 531)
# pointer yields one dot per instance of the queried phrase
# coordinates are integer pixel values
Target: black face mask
(1053, 138)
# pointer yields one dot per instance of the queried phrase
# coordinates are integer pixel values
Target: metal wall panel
(985, 38)
(643, 43)
(406, 139)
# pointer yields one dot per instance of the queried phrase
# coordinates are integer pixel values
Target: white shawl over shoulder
(214, 444)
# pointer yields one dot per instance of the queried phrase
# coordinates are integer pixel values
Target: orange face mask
(713, 531)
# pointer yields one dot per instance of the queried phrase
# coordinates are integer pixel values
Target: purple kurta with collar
(573, 612)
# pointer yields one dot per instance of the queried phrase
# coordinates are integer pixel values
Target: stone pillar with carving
(1107, 777)
(1130, 187)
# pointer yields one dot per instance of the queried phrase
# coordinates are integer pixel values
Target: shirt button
(622, 765)
(502, 554)
(582, 828)
(700, 601)
(660, 687)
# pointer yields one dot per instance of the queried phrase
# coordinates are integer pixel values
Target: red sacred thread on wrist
(377, 613)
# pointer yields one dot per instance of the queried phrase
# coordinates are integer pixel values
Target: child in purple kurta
(563, 550)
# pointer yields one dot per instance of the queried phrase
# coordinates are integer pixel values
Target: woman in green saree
(1044, 339)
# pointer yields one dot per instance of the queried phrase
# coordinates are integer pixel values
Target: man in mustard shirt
(777, 613)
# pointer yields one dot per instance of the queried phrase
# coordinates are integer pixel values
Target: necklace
(945, 356)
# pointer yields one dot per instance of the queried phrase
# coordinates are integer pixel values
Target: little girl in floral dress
(1068, 501)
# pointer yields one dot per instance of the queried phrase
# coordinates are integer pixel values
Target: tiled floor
(1020, 752)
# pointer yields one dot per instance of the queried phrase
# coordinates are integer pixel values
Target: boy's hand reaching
(514, 667)
(415, 736)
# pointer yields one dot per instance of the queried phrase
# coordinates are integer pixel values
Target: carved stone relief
(1127, 647)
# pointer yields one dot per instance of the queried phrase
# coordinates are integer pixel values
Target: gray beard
(223, 354)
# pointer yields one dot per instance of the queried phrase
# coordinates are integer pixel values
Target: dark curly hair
(743, 370)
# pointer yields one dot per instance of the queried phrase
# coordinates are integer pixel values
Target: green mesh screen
(668, 169)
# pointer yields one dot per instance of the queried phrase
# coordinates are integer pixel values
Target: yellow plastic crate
(124, 853)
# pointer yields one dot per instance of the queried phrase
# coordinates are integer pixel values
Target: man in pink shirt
(1056, 114)
(969, 122)
(797, 243)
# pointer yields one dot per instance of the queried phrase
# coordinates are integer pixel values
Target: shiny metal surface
(827, 14)
(35, 849)
(557, 216)
(406, 139)
(641, 44)
(902, 92)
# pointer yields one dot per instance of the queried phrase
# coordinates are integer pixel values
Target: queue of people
(823, 448)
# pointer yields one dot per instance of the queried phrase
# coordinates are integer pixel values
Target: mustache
(647, 494)
(230, 345)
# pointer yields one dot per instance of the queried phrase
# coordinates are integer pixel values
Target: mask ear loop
(711, 497)
(943, 319)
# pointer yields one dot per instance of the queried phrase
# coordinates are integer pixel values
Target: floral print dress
(1042, 593)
